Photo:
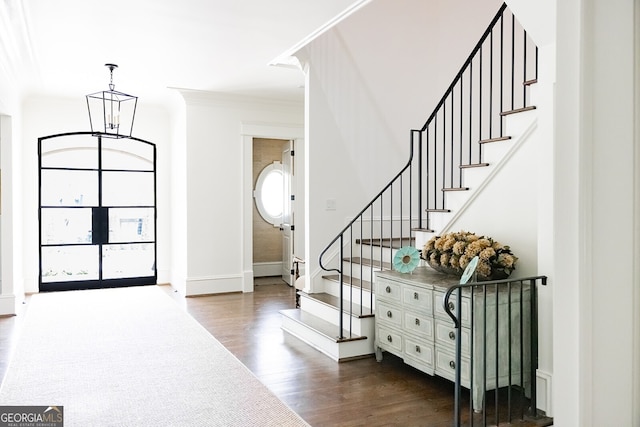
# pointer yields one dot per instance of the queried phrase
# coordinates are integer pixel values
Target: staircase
(482, 119)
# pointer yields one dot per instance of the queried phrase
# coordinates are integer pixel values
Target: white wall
(216, 219)
(11, 285)
(538, 17)
(596, 278)
(42, 116)
(372, 78)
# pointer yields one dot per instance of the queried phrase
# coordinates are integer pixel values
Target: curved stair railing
(492, 83)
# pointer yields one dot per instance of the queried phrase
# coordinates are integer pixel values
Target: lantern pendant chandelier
(111, 113)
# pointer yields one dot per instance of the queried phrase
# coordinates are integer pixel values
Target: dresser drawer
(445, 335)
(419, 299)
(438, 305)
(389, 339)
(419, 324)
(446, 366)
(388, 289)
(390, 314)
(420, 351)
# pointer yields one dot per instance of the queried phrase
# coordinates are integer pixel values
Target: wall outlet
(331, 204)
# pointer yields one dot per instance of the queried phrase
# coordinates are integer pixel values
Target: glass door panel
(66, 226)
(131, 225)
(125, 154)
(69, 263)
(71, 152)
(128, 188)
(128, 260)
(68, 187)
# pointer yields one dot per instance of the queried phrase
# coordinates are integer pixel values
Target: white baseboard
(266, 269)
(7, 305)
(213, 285)
(544, 394)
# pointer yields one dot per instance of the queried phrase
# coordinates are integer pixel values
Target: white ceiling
(59, 47)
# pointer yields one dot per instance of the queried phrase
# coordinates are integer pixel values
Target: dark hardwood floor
(323, 392)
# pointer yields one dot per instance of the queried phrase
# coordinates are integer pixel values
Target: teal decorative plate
(406, 259)
(468, 272)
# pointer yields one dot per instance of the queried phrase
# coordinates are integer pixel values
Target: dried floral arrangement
(452, 252)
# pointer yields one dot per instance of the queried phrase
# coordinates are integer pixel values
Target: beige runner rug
(132, 357)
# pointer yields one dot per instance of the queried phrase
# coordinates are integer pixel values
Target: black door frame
(99, 220)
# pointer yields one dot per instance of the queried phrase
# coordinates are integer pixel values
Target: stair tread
(348, 280)
(334, 301)
(425, 230)
(474, 165)
(518, 110)
(319, 325)
(368, 262)
(496, 139)
(385, 242)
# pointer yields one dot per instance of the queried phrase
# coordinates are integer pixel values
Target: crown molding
(287, 58)
(203, 97)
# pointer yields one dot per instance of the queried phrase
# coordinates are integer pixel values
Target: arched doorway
(97, 211)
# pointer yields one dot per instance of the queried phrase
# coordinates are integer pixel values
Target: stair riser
(363, 298)
(359, 271)
(386, 253)
(331, 314)
(516, 124)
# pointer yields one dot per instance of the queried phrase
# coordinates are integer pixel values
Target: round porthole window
(269, 193)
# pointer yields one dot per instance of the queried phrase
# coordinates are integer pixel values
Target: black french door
(97, 212)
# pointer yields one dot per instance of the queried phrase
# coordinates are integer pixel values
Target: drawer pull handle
(388, 289)
(389, 338)
(452, 364)
(415, 295)
(417, 349)
(452, 335)
(417, 322)
(451, 306)
(389, 314)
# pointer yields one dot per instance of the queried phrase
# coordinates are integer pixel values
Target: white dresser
(412, 324)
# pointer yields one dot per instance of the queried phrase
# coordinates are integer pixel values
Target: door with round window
(269, 193)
